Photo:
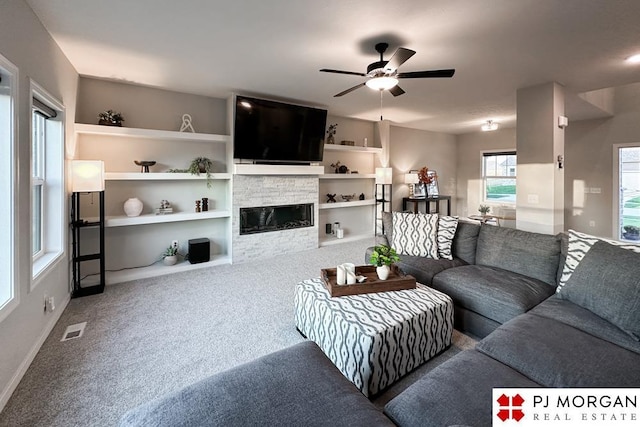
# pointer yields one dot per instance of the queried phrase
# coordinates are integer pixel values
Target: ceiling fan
(384, 75)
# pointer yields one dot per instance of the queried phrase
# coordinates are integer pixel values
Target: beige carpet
(149, 337)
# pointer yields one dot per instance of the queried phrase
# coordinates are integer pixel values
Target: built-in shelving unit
(160, 176)
(356, 217)
(144, 237)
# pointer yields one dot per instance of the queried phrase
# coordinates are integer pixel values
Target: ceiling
(275, 48)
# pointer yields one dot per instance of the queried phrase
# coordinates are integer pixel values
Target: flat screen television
(275, 132)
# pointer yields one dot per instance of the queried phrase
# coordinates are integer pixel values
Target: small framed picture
(419, 190)
(432, 187)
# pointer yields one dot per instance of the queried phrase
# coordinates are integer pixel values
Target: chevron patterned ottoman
(375, 339)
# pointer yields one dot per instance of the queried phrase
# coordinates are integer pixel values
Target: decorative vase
(331, 139)
(383, 272)
(170, 260)
(133, 207)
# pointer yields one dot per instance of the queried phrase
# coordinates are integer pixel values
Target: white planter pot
(383, 272)
(133, 207)
(170, 260)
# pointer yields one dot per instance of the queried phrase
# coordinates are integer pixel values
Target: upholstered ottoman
(375, 339)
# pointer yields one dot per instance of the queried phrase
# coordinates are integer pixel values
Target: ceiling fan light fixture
(382, 83)
(634, 59)
(489, 126)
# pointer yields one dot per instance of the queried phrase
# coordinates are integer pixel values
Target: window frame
(483, 176)
(53, 238)
(617, 222)
(10, 169)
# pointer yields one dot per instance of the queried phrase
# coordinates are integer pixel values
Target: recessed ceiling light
(634, 59)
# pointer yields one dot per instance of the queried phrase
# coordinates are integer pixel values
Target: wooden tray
(396, 281)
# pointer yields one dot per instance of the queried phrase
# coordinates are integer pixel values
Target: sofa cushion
(555, 354)
(447, 226)
(530, 254)
(492, 292)
(607, 282)
(415, 234)
(423, 269)
(295, 386)
(578, 246)
(458, 392)
(465, 241)
(579, 317)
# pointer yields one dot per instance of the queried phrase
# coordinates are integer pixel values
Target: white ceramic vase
(383, 272)
(133, 207)
(170, 260)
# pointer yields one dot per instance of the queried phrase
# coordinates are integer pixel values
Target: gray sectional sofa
(496, 273)
(504, 282)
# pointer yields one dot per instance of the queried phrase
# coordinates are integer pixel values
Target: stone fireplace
(265, 219)
(273, 214)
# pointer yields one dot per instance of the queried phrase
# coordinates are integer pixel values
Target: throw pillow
(607, 282)
(415, 234)
(447, 226)
(579, 245)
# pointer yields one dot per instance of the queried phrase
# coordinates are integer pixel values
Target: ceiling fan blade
(427, 74)
(398, 58)
(326, 70)
(351, 89)
(396, 90)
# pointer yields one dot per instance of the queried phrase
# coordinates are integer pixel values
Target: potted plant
(631, 232)
(110, 118)
(201, 165)
(170, 256)
(330, 132)
(382, 257)
(484, 209)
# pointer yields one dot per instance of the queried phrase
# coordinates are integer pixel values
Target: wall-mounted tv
(269, 131)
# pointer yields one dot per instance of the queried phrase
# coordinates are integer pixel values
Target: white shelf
(336, 147)
(148, 133)
(348, 176)
(159, 269)
(163, 176)
(247, 169)
(332, 240)
(351, 204)
(122, 221)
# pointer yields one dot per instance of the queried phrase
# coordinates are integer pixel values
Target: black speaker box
(199, 250)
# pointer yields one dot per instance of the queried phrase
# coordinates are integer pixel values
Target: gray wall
(589, 162)
(25, 42)
(149, 108)
(469, 165)
(413, 149)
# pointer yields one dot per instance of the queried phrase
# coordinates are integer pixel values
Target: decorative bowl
(348, 197)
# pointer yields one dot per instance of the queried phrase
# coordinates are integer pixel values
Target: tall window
(499, 177)
(9, 297)
(47, 183)
(628, 206)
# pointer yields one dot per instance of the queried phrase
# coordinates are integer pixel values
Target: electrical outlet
(174, 244)
(49, 304)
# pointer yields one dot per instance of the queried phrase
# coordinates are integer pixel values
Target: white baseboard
(17, 377)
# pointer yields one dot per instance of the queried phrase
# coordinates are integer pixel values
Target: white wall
(25, 42)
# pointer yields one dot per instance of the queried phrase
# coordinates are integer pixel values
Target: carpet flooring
(148, 337)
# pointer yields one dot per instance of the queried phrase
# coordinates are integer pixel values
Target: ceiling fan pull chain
(381, 106)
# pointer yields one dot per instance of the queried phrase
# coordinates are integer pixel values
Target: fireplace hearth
(263, 219)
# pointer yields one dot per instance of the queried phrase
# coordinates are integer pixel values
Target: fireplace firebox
(263, 219)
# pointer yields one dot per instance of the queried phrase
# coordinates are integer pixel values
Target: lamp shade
(384, 175)
(87, 175)
(411, 178)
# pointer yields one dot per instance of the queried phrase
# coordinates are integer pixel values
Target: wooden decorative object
(397, 281)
